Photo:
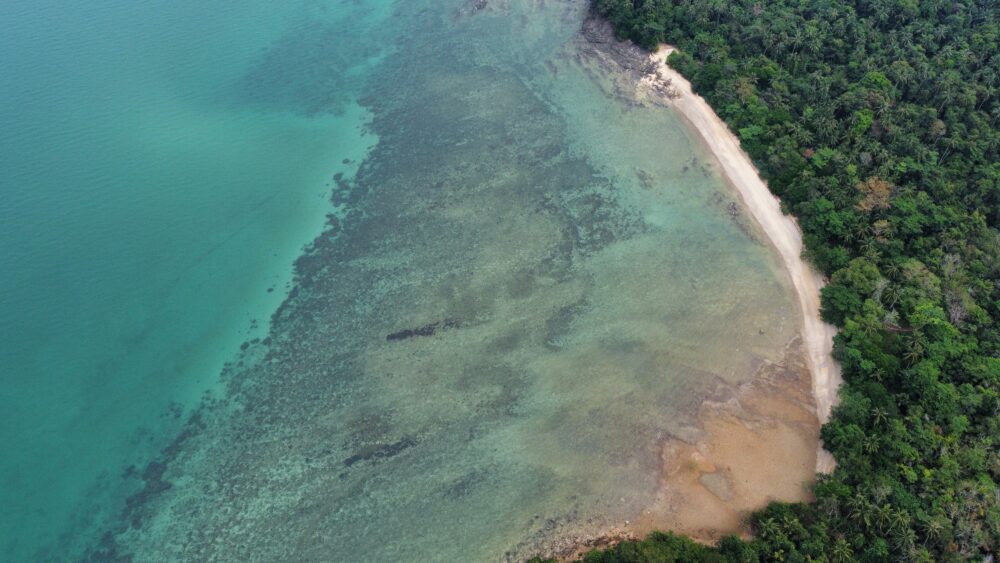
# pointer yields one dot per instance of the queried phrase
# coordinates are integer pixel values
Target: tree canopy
(875, 122)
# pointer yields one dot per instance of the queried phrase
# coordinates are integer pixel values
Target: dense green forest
(876, 123)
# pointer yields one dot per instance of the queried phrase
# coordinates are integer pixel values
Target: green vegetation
(876, 123)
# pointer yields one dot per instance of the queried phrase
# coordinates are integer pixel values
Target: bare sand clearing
(782, 230)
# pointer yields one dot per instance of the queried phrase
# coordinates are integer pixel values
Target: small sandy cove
(761, 444)
(781, 229)
(759, 441)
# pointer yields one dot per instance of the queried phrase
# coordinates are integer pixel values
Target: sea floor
(528, 289)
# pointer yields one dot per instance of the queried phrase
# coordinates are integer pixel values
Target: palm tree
(883, 517)
(813, 43)
(892, 296)
(861, 230)
(870, 326)
(870, 444)
(768, 528)
(900, 520)
(878, 375)
(948, 89)
(879, 415)
(891, 319)
(881, 10)
(905, 540)
(861, 511)
(795, 39)
(914, 350)
(880, 493)
(951, 143)
(802, 135)
(717, 9)
(932, 529)
(830, 506)
(842, 551)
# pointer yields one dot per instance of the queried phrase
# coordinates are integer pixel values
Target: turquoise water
(518, 280)
(155, 184)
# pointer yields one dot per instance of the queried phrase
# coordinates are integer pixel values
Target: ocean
(349, 280)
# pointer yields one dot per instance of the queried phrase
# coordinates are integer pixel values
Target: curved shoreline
(782, 231)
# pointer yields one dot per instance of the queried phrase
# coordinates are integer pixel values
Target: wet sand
(757, 445)
(749, 445)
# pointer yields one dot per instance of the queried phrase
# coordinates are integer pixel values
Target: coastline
(748, 444)
(781, 230)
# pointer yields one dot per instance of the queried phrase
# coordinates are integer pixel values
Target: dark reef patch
(426, 330)
(380, 451)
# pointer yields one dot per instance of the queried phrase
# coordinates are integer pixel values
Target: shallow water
(150, 198)
(528, 284)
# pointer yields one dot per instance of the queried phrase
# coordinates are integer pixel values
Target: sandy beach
(749, 444)
(781, 230)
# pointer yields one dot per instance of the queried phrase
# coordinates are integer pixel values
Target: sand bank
(782, 230)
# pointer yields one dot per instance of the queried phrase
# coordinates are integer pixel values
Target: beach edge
(782, 232)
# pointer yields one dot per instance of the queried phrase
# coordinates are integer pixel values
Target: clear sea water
(522, 282)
